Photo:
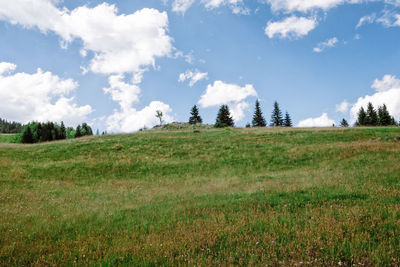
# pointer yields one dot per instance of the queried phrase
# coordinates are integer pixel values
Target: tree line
(373, 117)
(10, 127)
(224, 117)
(35, 132)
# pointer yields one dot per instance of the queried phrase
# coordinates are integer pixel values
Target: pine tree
(372, 116)
(362, 117)
(258, 118)
(195, 118)
(27, 137)
(393, 122)
(384, 118)
(224, 118)
(344, 123)
(63, 131)
(288, 121)
(276, 117)
(78, 132)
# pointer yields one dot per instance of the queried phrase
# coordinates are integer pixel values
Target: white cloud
(123, 93)
(128, 118)
(304, 5)
(181, 6)
(233, 95)
(366, 20)
(41, 96)
(322, 121)
(121, 43)
(343, 107)
(192, 76)
(237, 6)
(387, 83)
(291, 27)
(238, 110)
(7, 68)
(387, 92)
(221, 93)
(387, 19)
(327, 44)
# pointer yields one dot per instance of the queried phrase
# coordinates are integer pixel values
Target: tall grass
(214, 197)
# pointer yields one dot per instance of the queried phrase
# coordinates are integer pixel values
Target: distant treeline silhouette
(371, 117)
(35, 132)
(10, 127)
(224, 117)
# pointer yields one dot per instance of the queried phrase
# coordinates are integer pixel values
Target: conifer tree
(344, 123)
(258, 118)
(27, 137)
(362, 117)
(63, 131)
(224, 118)
(393, 122)
(276, 117)
(384, 118)
(372, 116)
(78, 132)
(195, 118)
(287, 121)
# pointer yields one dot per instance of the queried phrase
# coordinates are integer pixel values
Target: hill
(211, 197)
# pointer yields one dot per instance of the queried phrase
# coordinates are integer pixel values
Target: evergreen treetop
(224, 118)
(372, 116)
(287, 121)
(362, 117)
(27, 137)
(276, 117)
(195, 118)
(344, 123)
(384, 118)
(258, 118)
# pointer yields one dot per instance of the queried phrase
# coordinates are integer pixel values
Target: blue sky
(113, 63)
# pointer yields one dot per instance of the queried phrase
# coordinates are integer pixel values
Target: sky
(114, 63)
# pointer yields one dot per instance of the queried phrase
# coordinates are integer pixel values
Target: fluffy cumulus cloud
(7, 68)
(221, 93)
(119, 44)
(192, 76)
(41, 96)
(131, 119)
(343, 107)
(292, 27)
(327, 44)
(323, 121)
(387, 91)
(128, 118)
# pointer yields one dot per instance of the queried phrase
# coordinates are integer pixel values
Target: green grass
(7, 138)
(289, 197)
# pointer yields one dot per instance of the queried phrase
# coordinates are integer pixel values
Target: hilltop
(206, 197)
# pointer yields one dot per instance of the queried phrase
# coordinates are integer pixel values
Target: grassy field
(321, 197)
(7, 138)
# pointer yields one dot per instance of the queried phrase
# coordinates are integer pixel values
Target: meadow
(271, 197)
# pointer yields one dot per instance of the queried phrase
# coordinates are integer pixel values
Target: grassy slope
(7, 138)
(249, 196)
